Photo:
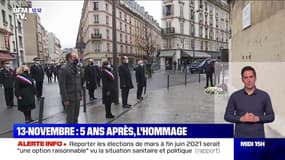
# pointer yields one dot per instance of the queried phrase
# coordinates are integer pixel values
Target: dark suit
(7, 77)
(37, 73)
(210, 69)
(90, 76)
(141, 80)
(108, 90)
(125, 82)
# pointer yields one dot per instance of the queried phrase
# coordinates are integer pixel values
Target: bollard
(168, 81)
(41, 111)
(84, 98)
(199, 77)
(185, 77)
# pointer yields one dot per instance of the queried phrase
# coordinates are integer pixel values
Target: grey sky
(63, 17)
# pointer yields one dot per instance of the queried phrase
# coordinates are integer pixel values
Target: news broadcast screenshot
(142, 79)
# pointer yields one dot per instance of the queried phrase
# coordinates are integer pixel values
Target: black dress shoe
(110, 116)
(126, 106)
(129, 105)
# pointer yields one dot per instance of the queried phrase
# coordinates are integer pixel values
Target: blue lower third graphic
(123, 131)
(259, 149)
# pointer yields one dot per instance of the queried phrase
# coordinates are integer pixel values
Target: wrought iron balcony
(96, 35)
(167, 31)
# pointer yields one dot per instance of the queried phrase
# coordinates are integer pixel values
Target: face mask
(75, 62)
(26, 72)
(91, 63)
(141, 64)
(7, 66)
(127, 61)
(108, 66)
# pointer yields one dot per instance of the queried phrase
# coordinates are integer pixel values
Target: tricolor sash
(25, 80)
(109, 73)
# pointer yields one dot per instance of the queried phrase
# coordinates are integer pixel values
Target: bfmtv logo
(20, 13)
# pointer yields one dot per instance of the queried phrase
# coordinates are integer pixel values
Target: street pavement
(179, 103)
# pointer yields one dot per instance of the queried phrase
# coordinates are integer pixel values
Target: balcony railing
(96, 35)
(169, 30)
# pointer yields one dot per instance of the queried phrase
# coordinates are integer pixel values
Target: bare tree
(147, 43)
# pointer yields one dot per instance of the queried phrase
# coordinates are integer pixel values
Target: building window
(181, 10)
(19, 25)
(96, 6)
(107, 20)
(130, 29)
(120, 14)
(168, 43)
(201, 18)
(122, 49)
(121, 37)
(14, 46)
(11, 22)
(5, 23)
(181, 27)
(108, 34)
(192, 14)
(21, 42)
(126, 38)
(168, 10)
(168, 24)
(201, 31)
(126, 16)
(120, 25)
(201, 45)
(108, 47)
(107, 7)
(192, 29)
(126, 28)
(97, 47)
(96, 31)
(96, 19)
(127, 50)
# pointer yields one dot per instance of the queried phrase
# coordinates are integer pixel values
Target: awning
(196, 54)
(6, 56)
(167, 53)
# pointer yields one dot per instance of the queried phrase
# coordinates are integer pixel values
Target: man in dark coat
(141, 79)
(210, 68)
(7, 77)
(37, 73)
(125, 81)
(99, 74)
(108, 89)
(90, 76)
(70, 87)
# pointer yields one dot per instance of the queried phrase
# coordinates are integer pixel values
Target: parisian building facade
(11, 33)
(134, 27)
(193, 29)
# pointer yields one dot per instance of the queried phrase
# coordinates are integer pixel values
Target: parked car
(199, 65)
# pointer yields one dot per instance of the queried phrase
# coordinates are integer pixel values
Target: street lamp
(16, 40)
(115, 60)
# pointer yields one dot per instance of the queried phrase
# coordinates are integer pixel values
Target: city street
(179, 103)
